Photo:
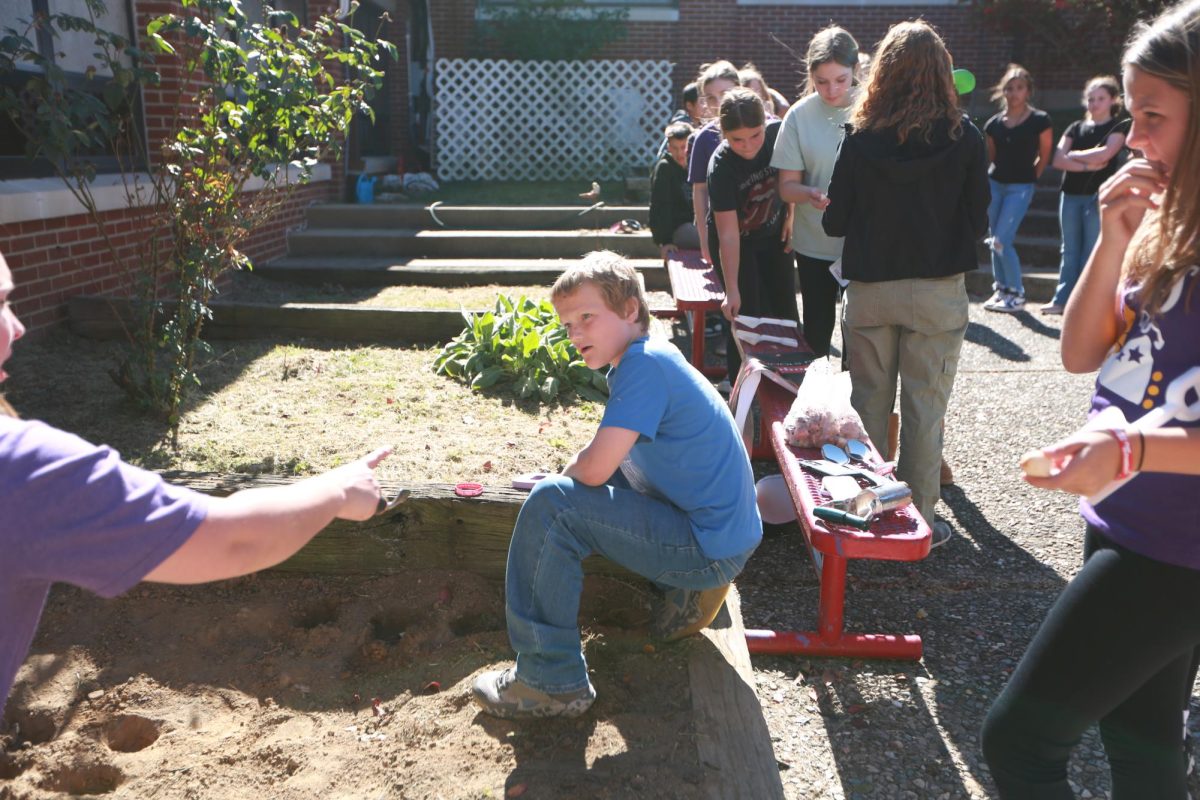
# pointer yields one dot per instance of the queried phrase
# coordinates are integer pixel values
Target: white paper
(755, 338)
(835, 269)
(754, 322)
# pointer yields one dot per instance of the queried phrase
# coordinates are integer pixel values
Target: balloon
(774, 500)
(964, 81)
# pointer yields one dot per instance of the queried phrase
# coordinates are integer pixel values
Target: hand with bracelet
(1088, 460)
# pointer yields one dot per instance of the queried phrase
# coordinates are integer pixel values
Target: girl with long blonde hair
(1134, 317)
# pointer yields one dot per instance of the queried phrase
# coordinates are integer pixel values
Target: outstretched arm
(258, 528)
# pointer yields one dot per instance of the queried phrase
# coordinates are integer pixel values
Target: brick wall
(712, 29)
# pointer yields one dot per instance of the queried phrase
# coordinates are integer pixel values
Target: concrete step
(466, 244)
(385, 271)
(1035, 252)
(1039, 284)
(1040, 222)
(412, 215)
(1045, 197)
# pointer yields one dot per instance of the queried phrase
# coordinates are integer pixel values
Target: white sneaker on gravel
(1008, 304)
(996, 297)
(941, 533)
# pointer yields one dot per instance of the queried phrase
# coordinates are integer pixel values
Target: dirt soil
(266, 686)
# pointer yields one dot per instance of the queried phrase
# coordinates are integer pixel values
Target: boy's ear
(632, 307)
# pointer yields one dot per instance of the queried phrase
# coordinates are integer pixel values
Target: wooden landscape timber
(436, 529)
(433, 529)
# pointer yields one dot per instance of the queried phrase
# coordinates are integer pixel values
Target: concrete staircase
(450, 246)
(383, 245)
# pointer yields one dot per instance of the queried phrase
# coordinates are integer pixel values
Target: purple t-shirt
(1156, 513)
(74, 512)
(702, 144)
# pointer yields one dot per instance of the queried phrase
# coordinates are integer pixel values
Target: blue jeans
(1079, 218)
(1009, 203)
(562, 523)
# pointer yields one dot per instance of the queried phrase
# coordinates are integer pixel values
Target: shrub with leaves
(521, 341)
(258, 106)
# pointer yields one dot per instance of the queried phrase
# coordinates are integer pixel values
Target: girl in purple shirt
(1120, 645)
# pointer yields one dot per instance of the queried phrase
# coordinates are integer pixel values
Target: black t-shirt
(751, 188)
(1085, 135)
(1016, 148)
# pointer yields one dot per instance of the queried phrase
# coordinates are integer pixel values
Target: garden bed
(247, 688)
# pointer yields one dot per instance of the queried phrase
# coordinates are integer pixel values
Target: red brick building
(56, 252)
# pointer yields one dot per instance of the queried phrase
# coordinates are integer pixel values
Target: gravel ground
(878, 729)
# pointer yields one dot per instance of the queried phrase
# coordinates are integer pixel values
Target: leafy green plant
(521, 341)
(258, 106)
(551, 30)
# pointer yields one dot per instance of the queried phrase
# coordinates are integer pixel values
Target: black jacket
(670, 205)
(908, 211)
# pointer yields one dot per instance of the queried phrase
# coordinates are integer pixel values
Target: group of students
(800, 198)
(665, 487)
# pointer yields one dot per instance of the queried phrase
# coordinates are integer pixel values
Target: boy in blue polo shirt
(664, 489)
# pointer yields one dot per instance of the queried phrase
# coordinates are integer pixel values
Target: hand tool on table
(827, 467)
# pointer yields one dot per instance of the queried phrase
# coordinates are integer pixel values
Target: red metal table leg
(698, 339)
(830, 638)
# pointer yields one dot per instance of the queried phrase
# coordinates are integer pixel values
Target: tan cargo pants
(909, 330)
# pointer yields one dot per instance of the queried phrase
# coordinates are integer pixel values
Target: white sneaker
(1008, 304)
(997, 300)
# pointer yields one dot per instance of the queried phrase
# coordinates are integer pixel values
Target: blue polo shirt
(689, 451)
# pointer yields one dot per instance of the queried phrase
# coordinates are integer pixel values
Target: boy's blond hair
(613, 276)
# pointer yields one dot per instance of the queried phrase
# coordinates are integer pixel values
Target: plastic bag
(821, 413)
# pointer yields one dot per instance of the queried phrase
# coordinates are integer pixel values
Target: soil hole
(318, 613)
(390, 626)
(477, 623)
(9, 768)
(84, 779)
(131, 733)
(36, 727)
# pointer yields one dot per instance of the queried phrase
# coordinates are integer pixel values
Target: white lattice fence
(548, 120)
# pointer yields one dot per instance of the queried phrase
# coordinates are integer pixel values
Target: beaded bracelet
(1126, 468)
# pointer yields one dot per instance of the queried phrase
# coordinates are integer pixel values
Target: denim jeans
(562, 523)
(1009, 203)
(1079, 218)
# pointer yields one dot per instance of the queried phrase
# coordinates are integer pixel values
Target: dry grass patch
(299, 408)
(252, 288)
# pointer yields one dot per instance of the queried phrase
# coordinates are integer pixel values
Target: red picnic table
(696, 290)
(899, 535)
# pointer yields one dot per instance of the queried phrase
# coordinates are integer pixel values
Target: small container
(873, 501)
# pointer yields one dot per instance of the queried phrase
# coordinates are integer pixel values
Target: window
(847, 3)
(71, 51)
(637, 10)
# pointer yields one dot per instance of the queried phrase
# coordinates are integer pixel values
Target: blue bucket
(365, 189)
